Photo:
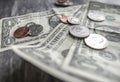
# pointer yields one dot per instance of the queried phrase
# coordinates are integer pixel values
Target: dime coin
(68, 3)
(35, 30)
(96, 41)
(64, 19)
(21, 32)
(73, 20)
(96, 17)
(79, 31)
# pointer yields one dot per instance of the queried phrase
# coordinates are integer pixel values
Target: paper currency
(97, 65)
(47, 20)
(9, 25)
(50, 54)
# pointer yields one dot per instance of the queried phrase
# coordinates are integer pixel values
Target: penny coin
(79, 31)
(96, 41)
(35, 30)
(98, 17)
(73, 20)
(21, 32)
(64, 19)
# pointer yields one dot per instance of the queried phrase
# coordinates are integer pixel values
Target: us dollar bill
(50, 54)
(97, 65)
(9, 25)
(68, 11)
(48, 19)
(112, 15)
(110, 27)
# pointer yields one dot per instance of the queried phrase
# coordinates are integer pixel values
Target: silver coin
(73, 20)
(96, 16)
(68, 3)
(96, 41)
(79, 31)
(29, 24)
(35, 30)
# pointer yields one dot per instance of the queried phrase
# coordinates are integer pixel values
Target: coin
(21, 32)
(96, 16)
(79, 31)
(68, 3)
(29, 24)
(35, 30)
(61, 1)
(73, 20)
(96, 41)
(64, 19)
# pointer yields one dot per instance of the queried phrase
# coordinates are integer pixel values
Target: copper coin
(21, 32)
(64, 19)
(61, 1)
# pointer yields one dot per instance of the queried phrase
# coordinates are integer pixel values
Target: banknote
(50, 54)
(111, 13)
(9, 25)
(68, 11)
(47, 19)
(97, 65)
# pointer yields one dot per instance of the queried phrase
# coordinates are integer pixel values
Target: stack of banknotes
(75, 44)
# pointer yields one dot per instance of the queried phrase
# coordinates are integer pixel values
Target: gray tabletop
(12, 67)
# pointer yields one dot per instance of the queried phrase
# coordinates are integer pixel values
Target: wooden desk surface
(12, 67)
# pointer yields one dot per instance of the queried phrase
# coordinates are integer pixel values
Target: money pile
(75, 44)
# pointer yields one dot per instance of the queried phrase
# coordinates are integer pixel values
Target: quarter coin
(21, 32)
(35, 30)
(96, 41)
(98, 17)
(79, 31)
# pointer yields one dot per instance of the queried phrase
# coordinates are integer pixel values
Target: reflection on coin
(96, 41)
(96, 17)
(64, 19)
(73, 20)
(35, 30)
(79, 31)
(29, 24)
(21, 32)
(68, 3)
